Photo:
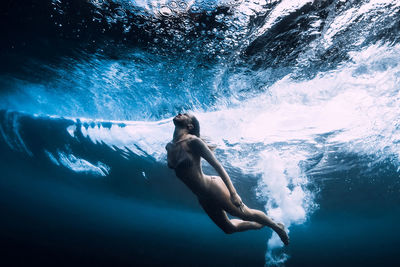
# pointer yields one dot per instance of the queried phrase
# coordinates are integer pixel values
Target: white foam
(52, 157)
(81, 165)
(142, 138)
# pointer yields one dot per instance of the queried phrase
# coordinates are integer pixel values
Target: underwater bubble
(165, 11)
(182, 4)
(97, 16)
(219, 18)
(127, 28)
(195, 9)
(173, 5)
(119, 12)
(97, 3)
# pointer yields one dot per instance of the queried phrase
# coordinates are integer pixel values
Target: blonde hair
(196, 131)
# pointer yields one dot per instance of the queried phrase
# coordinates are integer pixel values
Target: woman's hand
(237, 201)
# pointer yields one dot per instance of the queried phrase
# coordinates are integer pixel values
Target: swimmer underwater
(216, 194)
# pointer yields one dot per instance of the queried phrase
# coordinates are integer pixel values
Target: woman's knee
(251, 214)
(245, 213)
(230, 228)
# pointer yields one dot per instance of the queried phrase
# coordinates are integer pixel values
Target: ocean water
(302, 99)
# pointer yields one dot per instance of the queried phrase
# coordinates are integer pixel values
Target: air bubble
(183, 5)
(127, 28)
(195, 9)
(173, 5)
(165, 11)
(120, 13)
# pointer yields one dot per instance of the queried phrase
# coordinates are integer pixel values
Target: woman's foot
(281, 231)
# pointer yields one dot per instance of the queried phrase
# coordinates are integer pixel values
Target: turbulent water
(302, 99)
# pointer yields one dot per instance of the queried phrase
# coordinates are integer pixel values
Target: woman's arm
(200, 147)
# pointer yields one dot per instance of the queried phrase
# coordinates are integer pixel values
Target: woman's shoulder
(188, 140)
(195, 142)
(192, 138)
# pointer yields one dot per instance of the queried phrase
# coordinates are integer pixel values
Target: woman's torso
(187, 166)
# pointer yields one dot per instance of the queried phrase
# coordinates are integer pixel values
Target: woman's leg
(221, 193)
(219, 217)
(254, 215)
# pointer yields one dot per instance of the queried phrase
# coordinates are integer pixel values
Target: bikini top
(177, 156)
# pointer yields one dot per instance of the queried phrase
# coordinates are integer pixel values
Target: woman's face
(182, 120)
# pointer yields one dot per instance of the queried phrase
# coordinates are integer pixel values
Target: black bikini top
(177, 156)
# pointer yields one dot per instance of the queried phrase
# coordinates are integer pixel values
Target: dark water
(300, 97)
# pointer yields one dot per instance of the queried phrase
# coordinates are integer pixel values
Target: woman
(216, 194)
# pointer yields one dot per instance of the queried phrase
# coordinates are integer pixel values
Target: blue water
(301, 98)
